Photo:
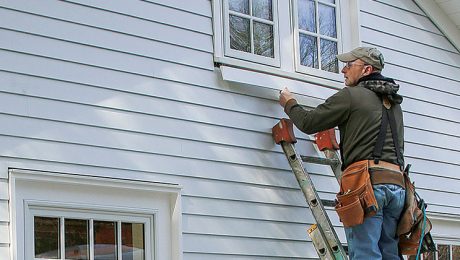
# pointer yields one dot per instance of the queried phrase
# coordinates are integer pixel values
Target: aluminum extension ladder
(322, 234)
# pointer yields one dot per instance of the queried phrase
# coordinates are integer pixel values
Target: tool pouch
(356, 199)
(411, 226)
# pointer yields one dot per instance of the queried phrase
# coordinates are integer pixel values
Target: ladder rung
(328, 203)
(319, 160)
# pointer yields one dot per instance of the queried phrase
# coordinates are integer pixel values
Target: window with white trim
(295, 39)
(251, 30)
(88, 234)
(444, 252)
(292, 39)
(316, 35)
(68, 216)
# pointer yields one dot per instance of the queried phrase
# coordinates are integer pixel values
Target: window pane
(328, 56)
(262, 9)
(105, 242)
(455, 252)
(240, 6)
(307, 18)
(443, 252)
(132, 241)
(327, 21)
(240, 37)
(46, 237)
(263, 39)
(429, 256)
(76, 239)
(328, 1)
(308, 51)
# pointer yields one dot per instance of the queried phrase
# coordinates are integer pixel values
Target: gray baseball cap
(369, 55)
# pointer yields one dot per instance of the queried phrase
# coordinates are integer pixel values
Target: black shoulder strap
(387, 116)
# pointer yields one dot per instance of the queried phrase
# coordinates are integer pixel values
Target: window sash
(318, 36)
(251, 56)
(91, 215)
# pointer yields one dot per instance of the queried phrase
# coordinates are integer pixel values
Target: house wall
(131, 91)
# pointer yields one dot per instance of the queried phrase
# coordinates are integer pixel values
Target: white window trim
(349, 14)
(18, 205)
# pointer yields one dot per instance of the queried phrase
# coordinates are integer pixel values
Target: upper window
(316, 34)
(251, 30)
(286, 38)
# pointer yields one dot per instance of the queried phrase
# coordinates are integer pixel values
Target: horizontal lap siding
(131, 92)
(427, 67)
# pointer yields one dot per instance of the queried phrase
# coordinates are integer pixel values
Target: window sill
(312, 90)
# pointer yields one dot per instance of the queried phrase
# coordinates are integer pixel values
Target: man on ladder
(369, 117)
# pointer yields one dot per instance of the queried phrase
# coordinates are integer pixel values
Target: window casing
(115, 204)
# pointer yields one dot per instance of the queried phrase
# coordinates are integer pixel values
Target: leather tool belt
(356, 199)
(385, 173)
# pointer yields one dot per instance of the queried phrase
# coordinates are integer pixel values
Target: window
(296, 39)
(84, 235)
(316, 34)
(445, 252)
(67, 216)
(252, 30)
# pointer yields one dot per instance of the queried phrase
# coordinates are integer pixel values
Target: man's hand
(285, 96)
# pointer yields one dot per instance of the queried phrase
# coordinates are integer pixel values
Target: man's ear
(368, 70)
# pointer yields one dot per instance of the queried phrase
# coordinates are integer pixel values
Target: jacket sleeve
(333, 112)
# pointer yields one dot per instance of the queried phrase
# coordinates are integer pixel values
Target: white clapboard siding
(408, 6)
(111, 22)
(200, 7)
(113, 46)
(399, 15)
(246, 246)
(398, 58)
(408, 46)
(153, 12)
(407, 32)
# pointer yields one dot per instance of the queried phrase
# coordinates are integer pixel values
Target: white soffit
(446, 15)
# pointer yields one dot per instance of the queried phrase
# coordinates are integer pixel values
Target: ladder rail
(319, 213)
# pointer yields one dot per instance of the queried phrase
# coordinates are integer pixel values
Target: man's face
(353, 71)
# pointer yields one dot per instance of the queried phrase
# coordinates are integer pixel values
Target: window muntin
(60, 236)
(317, 35)
(251, 30)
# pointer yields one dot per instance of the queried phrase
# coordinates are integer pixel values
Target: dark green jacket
(357, 111)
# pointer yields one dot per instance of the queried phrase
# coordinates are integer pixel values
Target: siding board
(398, 58)
(4, 214)
(411, 47)
(202, 7)
(154, 13)
(407, 32)
(246, 246)
(109, 21)
(399, 15)
(409, 6)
